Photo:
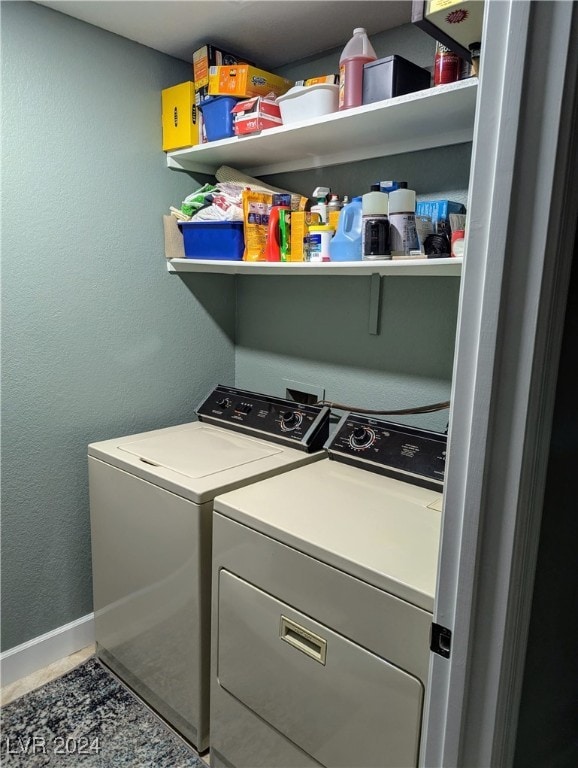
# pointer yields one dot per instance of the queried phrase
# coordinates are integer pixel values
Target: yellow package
(300, 223)
(333, 219)
(256, 208)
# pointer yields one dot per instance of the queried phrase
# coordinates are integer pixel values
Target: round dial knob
(361, 437)
(290, 420)
(223, 402)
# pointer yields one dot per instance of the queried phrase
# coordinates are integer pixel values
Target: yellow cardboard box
(181, 118)
(462, 20)
(244, 80)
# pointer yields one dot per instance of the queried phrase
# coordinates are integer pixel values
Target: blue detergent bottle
(345, 245)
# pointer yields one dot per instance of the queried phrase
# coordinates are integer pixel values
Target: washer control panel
(414, 455)
(282, 421)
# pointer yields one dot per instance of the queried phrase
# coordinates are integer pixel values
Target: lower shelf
(401, 267)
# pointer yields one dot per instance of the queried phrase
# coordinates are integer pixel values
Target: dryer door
(339, 703)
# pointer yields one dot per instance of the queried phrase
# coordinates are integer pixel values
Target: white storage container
(303, 102)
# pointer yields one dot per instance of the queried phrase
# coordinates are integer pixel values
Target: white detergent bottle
(402, 230)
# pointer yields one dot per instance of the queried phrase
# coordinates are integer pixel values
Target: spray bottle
(320, 207)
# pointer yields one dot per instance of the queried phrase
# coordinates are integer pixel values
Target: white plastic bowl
(303, 102)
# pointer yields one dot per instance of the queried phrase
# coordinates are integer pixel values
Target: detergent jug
(346, 243)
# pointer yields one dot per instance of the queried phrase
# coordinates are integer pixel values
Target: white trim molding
(516, 272)
(25, 659)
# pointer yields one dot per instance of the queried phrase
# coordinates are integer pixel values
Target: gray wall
(97, 338)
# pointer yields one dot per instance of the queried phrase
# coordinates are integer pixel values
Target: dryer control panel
(410, 454)
(305, 427)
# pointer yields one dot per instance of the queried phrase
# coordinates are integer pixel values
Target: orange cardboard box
(323, 79)
(203, 59)
(244, 81)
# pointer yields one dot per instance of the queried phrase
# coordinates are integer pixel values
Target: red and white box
(256, 114)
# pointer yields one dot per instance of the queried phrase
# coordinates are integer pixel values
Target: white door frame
(522, 220)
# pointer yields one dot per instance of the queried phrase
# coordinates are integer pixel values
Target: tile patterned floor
(26, 684)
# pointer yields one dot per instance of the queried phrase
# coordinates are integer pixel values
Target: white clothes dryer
(151, 499)
(323, 593)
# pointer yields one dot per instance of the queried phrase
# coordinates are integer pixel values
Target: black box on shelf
(392, 76)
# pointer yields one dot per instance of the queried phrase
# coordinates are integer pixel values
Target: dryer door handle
(303, 639)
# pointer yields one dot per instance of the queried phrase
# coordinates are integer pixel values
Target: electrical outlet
(303, 392)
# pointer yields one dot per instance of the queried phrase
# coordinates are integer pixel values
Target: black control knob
(290, 420)
(361, 437)
(224, 402)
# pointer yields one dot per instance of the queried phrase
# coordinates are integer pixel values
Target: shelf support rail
(374, 303)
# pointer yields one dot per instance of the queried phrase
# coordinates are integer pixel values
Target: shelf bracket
(374, 303)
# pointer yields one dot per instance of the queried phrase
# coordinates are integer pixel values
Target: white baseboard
(41, 651)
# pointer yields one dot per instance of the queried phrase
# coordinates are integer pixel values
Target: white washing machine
(151, 499)
(323, 593)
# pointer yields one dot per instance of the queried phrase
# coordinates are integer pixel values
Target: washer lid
(200, 452)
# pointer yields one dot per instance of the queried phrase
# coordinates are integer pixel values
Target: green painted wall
(97, 339)
(315, 331)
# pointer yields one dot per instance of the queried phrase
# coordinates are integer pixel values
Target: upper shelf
(436, 117)
(402, 267)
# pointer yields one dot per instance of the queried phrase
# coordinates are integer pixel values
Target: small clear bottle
(475, 50)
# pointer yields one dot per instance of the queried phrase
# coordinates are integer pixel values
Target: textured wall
(97, 338)
(407, 41)
(315, 331)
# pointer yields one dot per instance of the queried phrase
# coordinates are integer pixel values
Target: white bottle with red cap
(356, 53)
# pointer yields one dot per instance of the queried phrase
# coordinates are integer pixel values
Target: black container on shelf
(392, 76)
